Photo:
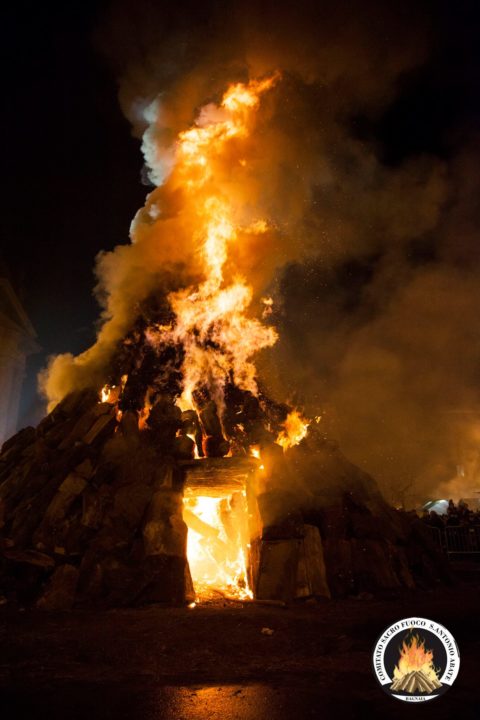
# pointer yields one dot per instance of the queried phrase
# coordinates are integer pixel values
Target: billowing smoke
(373, 266)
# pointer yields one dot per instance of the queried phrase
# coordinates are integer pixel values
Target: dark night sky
(72, 169)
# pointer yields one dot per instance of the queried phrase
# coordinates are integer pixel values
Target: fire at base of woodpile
(101, 507)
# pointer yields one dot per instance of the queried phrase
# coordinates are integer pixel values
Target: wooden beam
(217, 477)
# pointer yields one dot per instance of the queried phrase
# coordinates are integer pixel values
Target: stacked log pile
(363, 546)
(91, 511)
(372, 548)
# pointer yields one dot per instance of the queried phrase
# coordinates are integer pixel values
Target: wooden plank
(277, 571)
(217, 477)
(238, 465)
(311, 572)
(214, 488)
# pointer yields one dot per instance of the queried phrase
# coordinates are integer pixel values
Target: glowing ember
(294, 430)
(267, 307)
(215, 546)
(195, 448)
(109, 394)
(143, 417)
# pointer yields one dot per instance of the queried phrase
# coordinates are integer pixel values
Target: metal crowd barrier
(462, 539)
(457, 539)
(437, 536)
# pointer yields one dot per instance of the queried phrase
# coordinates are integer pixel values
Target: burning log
(255, 422)
(133, 393)
(184, 447)
(233, 514)
(200, 526)
(248, 420)
(217, 477)
(208, 415)
(228, 520)
(191, 426)
(164, 420)
(129, 424)
(211, 541)
(213, 444)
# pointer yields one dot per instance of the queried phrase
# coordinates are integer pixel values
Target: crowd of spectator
(456, 515)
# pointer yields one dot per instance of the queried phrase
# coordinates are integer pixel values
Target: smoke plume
(373, 265)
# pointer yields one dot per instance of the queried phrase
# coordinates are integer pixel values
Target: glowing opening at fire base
(217, 545)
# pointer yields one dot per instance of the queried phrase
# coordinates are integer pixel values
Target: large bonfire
(197, 343)
(203, 338)
(95, 502)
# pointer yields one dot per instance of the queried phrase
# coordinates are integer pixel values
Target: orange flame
(107, 394)
(111, 393)
(215, 550)
(294, 430)
(195, 448)
(211, 321)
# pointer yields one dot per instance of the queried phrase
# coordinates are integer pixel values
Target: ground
(213, 662)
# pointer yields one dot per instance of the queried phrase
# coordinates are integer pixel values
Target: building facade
(17, 341)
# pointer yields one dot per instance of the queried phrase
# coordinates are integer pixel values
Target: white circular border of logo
(401, 626)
